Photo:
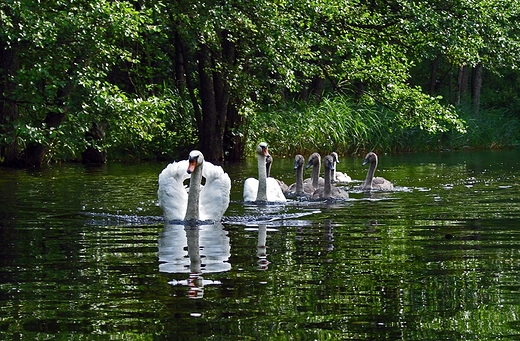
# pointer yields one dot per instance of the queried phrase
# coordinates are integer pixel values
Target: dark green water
(84, 254)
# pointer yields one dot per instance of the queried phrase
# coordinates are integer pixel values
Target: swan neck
(261, 243)
(192, 236)
(261, 195)
(192, 211)
(299, 180)
(326, 186)
(370, 174)
(315, 175)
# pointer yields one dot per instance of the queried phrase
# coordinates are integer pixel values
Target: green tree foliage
(64, 49)
(70, 55)
(160, 77)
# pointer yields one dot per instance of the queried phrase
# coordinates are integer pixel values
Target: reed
(491, 128)
(340, 125)
(333, 124)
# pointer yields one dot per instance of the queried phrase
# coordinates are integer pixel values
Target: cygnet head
(370, 158)
(328, 162)
(262, 149)
(268, 164)
(298, 161)
(314, 159)
(335, 156)
(268, 159)
(195, 159)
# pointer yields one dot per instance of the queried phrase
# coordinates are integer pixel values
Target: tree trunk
(93, 155)
(9, 65)
(215, 99)
(359, 89)
(222, 91)
(209, 136)
(462, 84)
(316, 87)
(476, 87)
(180, 71)
(187, 71)
(216, 117)
(34, 154)
(235, 135)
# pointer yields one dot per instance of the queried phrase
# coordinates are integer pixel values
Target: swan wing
(335, 193)
(338, 193)
(342, 177)
(307, 188)
(214, 196)
(321, 182)
(283, 186)
(274, 191)
(250, 189)
(382, 184)
(173, 198)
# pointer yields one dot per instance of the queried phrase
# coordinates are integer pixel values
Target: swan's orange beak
(264, 151)
(192, 165)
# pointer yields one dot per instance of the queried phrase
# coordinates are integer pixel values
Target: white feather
(213, 198)
(273, 190)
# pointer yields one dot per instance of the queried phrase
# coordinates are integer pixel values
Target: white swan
(208, 202)
(299, 188)
(315, 162)
(263, 188)
(338, 176)
(328, 191)
(377, 183)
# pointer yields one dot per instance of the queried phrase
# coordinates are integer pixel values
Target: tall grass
(491, 128)
(337, 124)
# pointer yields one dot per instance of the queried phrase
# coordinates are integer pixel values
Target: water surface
(85, 254)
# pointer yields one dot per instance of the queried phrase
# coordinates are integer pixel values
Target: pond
(85, 254)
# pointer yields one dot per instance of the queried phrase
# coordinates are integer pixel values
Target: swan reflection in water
(261, 248)
(194, 250)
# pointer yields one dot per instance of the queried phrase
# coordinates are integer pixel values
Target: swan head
(314, 159)
(328, 162)
(335, 156)
(262, 149)
(195, 159)
(298, 161)
(370, 158)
